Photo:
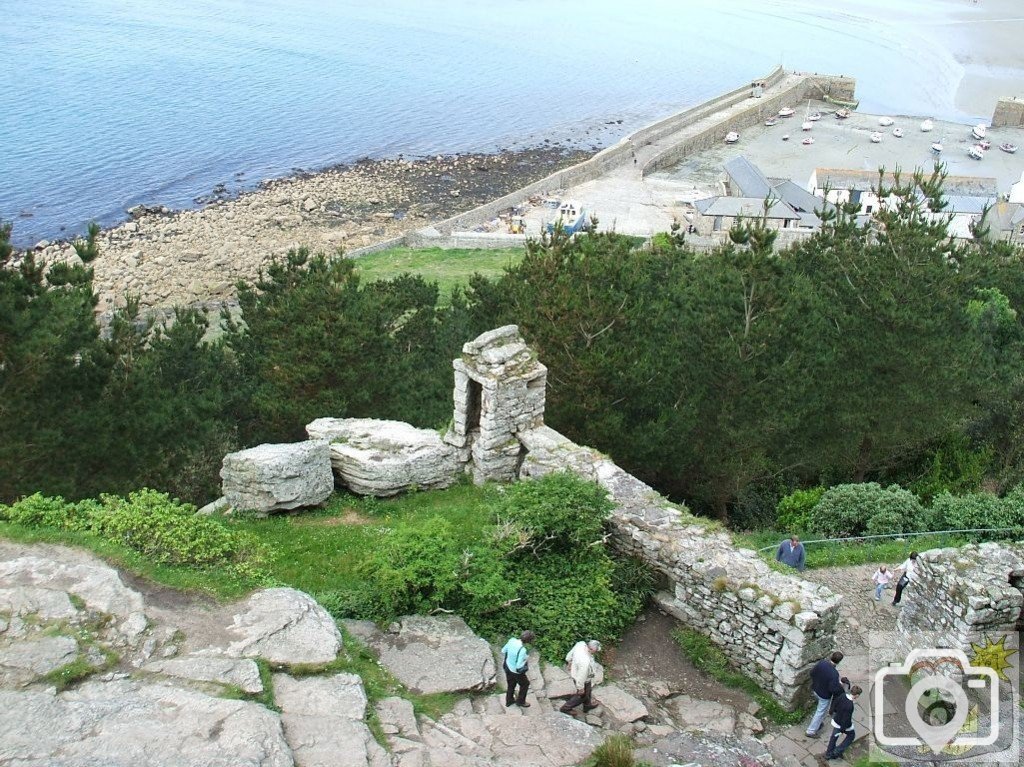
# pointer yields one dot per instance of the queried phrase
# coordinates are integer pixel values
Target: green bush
(794, 510)
(417, 568)
(978, 510)
(166, 531)
(867, 509)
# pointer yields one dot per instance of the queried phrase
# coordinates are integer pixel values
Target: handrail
(902, 535)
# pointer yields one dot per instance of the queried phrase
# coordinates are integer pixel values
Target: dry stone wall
(961, 595)
(772, 626)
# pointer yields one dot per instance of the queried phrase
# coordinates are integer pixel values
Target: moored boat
(976, 152)
(897, 132)
(807, 125)
(842, 114)
(885, 122)
(771, 121)
(814, 116)
(785, 137)
(978, 131)
(876, 138)
(571, 218)
(1008, 147)
(786, 112)
(986, 145)
(926, 126)
(807, 141)
(732, 137)
(937, 147)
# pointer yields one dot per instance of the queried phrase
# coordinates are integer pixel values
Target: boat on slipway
(1008, 147)
(571, 218)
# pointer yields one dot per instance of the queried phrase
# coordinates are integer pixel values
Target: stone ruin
(499, 393)
(963, 596)
(773, 626)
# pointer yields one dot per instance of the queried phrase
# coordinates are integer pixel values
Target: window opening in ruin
(473, 405)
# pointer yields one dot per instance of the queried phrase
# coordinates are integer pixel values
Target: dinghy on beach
(926, 126)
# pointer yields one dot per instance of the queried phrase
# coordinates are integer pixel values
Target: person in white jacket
(582, 670)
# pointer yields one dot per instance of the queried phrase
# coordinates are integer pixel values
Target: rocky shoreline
(189, 257)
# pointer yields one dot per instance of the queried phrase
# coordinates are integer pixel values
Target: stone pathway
(864, 633)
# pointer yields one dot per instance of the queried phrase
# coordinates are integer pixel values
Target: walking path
(864, 634)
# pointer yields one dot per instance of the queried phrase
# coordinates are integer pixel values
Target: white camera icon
(951, 696)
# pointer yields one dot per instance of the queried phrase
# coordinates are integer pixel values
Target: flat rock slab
(283, 626)
(683, 748)
(619, 704)
(703, 715)
(277, 477)
(41, 585)
(384, 458)
(238, 672)
(26, 660)
(557, 682)
(397, 717)
(135, 724)
(322, 718)
(432, 654)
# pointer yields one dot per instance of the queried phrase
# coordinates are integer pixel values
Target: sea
(110, 103)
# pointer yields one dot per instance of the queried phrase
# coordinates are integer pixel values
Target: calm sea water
(108, 103)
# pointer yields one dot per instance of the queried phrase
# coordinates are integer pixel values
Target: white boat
(976, 152)
(885, 122)
(986, 145)
(876, 138)
(978, 131)
(571, 218)
(927, 125)
(786, 112)
(814, 116)
(842, 114)
(732, 137)
(897, 132)
(1008, 147)
(807, 141)
(785, 137)
(937, 147)
(771, 121)
(807, 125)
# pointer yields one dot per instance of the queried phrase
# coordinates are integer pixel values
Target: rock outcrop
(384, 458)
(282, 626)
(430, 654)
(270, 478)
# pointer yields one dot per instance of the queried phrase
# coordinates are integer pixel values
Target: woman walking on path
(515, 654)
(908, 567)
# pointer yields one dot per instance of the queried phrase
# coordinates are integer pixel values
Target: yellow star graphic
(993, 655)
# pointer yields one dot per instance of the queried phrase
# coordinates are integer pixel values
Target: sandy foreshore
(197, 256)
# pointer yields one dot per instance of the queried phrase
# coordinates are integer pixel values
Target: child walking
(881, 580)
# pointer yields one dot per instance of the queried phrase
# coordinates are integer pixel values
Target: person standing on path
(908, 567)
(791, 552)
(881, 580)
(825, 684)
(514, 655)
(582, 670)
(842, 723)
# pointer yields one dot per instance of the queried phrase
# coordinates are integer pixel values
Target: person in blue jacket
(791, 552)
(514, 655)
(825, 684)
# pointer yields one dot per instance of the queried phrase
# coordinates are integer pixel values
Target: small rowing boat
(732, 137)
(876, 138)
(786, 112)
(897, 132)
(1008, 147)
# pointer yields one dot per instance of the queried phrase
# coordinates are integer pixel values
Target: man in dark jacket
(842, 723)
(825, 684)
(791, 552)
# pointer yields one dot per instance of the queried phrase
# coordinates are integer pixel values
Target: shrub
(558, 513)
(868, 508)
(978, 510)
(416, 569)
(38, 511)
(794, 510)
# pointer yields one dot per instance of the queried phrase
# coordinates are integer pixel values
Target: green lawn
(447, 268)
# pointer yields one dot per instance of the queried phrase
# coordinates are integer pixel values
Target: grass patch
(838, 554)
(70, 673)
(616, 751)
(703, 654)
(447, 268)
